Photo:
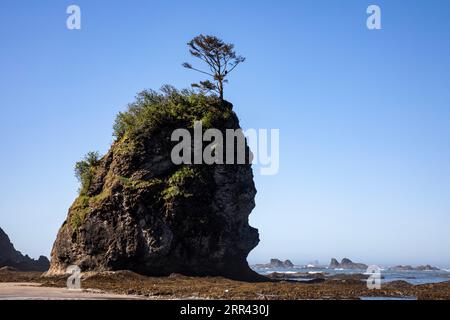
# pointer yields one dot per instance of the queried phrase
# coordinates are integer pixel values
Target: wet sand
(34, 291)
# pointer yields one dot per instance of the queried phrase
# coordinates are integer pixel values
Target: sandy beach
(35, 291)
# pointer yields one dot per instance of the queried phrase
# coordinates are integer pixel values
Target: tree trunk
(221, 90)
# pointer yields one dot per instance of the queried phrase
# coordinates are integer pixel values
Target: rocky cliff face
(10, 257)
(141, 212)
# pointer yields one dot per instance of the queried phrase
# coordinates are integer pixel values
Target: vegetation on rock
(170, 107)
(139, 211)
(85, 170)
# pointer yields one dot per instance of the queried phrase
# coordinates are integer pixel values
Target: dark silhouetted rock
(141, 212)
(12, 259)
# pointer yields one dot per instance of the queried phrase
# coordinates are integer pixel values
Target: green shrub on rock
(85, 170)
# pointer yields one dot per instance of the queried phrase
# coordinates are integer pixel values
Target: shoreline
(35, 291)
(129, 285)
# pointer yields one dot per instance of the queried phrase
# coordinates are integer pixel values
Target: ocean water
(413, 277)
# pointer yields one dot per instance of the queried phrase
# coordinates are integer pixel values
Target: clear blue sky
(364, 115)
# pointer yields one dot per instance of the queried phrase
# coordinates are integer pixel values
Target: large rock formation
(141, 212)
(334, 264)
(10, 257)
(276, 264)
(346, 264)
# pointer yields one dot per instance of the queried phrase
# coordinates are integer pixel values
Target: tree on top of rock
(220, 58)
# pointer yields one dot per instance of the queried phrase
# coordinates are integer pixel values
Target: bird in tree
(220, 58)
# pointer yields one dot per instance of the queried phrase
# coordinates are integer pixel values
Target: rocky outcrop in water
(12, 259)
(346, 264)
(139, 211)
(334, 264)
(276, 264)
(411, 268)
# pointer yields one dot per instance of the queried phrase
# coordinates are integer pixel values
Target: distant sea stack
(346, 264)
(139, 211)
(277, 264)
(10, 257)
(411, 268)
(334, 264)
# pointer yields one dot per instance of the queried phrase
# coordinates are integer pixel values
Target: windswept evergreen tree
(220, 58)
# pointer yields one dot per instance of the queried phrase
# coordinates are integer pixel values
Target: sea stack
(346, 264)
(334, 263)
(139, 211)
